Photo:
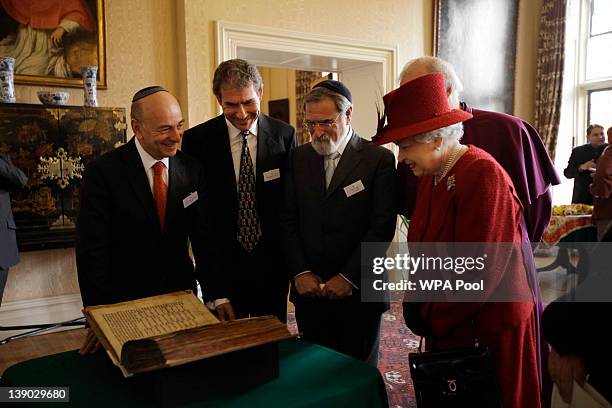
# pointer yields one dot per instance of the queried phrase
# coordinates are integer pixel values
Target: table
(568, 229)
(310, 376)
(561, 226)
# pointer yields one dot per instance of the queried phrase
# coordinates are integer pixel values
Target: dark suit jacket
(572, 324)
(11, 178)
(602, 187)
(583, 179)
(121, 252)
(323, 230)
(209, 144)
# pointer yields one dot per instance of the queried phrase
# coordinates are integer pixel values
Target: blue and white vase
(7, 86)
(90, 96)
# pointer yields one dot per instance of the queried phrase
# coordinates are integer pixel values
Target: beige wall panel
(279, 83)
(399, 22)
(526, 59)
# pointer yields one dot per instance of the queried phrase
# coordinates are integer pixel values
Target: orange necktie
(160, 192)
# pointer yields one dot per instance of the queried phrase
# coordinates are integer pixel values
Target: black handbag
(454, 378)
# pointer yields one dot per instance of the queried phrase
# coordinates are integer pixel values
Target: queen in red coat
(464, 196)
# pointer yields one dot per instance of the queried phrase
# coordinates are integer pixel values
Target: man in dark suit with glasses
(340, 192)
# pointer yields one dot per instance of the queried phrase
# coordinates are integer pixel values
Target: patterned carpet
(396, 342)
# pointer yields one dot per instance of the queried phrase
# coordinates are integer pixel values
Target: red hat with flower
(416, 107)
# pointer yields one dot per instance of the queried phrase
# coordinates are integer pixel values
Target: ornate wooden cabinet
(52, 145)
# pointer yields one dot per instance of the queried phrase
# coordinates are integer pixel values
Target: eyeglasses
(328, 124)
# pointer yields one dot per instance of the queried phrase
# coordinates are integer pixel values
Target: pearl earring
(437, 149)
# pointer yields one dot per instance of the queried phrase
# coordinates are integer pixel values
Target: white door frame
(229, 36)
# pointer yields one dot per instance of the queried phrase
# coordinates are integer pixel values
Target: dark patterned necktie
(249, 229)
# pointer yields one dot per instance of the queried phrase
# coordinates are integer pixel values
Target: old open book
(173, 329)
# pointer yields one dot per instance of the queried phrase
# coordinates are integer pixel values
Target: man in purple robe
(513, 142)
(518, 148)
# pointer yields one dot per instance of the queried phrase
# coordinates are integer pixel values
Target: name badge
(354, 188)
(190, 199)
(271, 175)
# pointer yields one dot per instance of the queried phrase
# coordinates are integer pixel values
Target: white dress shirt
(344, 141)
(235, 139)
(149, 161)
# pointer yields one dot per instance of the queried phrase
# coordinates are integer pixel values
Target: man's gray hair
(434, 64)
(236, 74)
(319, 93)
(448, 133)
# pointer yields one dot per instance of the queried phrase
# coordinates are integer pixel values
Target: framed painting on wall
(479, 39)
(52, 39)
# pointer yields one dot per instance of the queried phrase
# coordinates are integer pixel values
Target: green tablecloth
(310, 376)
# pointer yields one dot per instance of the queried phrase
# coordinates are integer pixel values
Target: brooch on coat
(450, 182)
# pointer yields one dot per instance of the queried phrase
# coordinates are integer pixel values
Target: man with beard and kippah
(140, 206)
(243, 153)
(340, 192)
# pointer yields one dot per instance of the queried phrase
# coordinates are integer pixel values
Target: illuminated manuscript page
(148, 317)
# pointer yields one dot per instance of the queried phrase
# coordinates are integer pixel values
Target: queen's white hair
(447, 134)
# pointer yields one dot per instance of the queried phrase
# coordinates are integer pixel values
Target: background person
(601, 189)
(512, 142)
(582, 163)
(572, 326)
(11, 178)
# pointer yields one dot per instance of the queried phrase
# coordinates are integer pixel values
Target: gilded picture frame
(82, 42)
(479, 38)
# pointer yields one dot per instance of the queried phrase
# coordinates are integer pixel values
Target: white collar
(147, 160)
(347, 137)
(234, 131)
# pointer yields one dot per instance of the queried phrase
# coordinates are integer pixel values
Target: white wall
(366, 92)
